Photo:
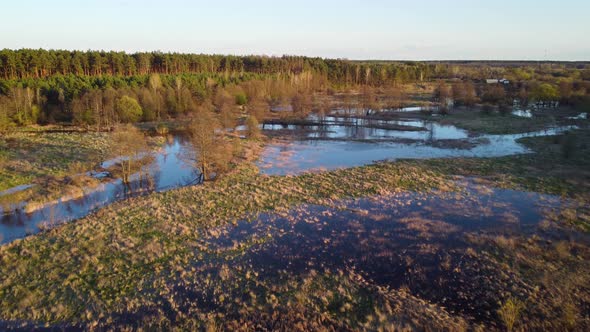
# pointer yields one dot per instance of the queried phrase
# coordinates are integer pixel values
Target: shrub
(252, 127)
(241, 99)
(487, 109)
(504, 109)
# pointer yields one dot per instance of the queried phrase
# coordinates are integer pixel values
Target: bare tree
(129, 145)
(301, 104)
(369, 100)
(259, 109)
(227, 117)
(211, 154)
(444, 96)
(395, 95)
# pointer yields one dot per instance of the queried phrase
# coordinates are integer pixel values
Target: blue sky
(370, 29)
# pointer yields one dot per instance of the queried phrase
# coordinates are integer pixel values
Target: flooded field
(167, 171)
(403, 244)
(416, 247)
(346, 142)
(327, 143)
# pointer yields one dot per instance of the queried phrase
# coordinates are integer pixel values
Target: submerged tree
(443, 96)
(544, 94)
(464, 93)
(129, 144)
(211, 154)
(369, 100)
(301, 104)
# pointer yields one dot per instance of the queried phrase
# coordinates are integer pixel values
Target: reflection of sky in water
(374, 234)
(319, 152)
(342, 128)
(166, 172)
(522, 113)
(169, 171)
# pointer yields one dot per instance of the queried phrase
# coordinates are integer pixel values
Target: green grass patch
(26, 156)
(480, 122)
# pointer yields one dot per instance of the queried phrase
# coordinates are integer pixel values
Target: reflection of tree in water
(144, 184)
(186, 155)
(323, 131)
(431, 134)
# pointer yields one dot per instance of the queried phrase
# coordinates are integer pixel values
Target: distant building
(491, 81)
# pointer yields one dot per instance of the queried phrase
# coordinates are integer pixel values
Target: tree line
(40, 63)
(101, 103)
(98, 89)
(503, 96)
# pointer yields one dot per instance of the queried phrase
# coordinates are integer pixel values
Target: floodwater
(167, 171)
(342, 143)
(393, 240)
(339, 142)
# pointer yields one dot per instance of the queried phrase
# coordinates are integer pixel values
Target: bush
(252, 127)
(5, 123)
(241, 99)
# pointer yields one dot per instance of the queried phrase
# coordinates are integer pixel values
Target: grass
(477, 121)
(55, 162)
(96, 262)
(128, 255)
(552, 275)
(546, 170)
(28, 156)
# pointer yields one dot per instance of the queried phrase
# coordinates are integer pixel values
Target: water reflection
(393, 240)
(371, 129)
(343, 142)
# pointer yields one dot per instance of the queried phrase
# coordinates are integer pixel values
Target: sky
(352, 29)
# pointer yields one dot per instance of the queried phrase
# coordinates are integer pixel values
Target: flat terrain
(29, 155)
(437, 244)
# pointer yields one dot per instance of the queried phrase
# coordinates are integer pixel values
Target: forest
(84, 88)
